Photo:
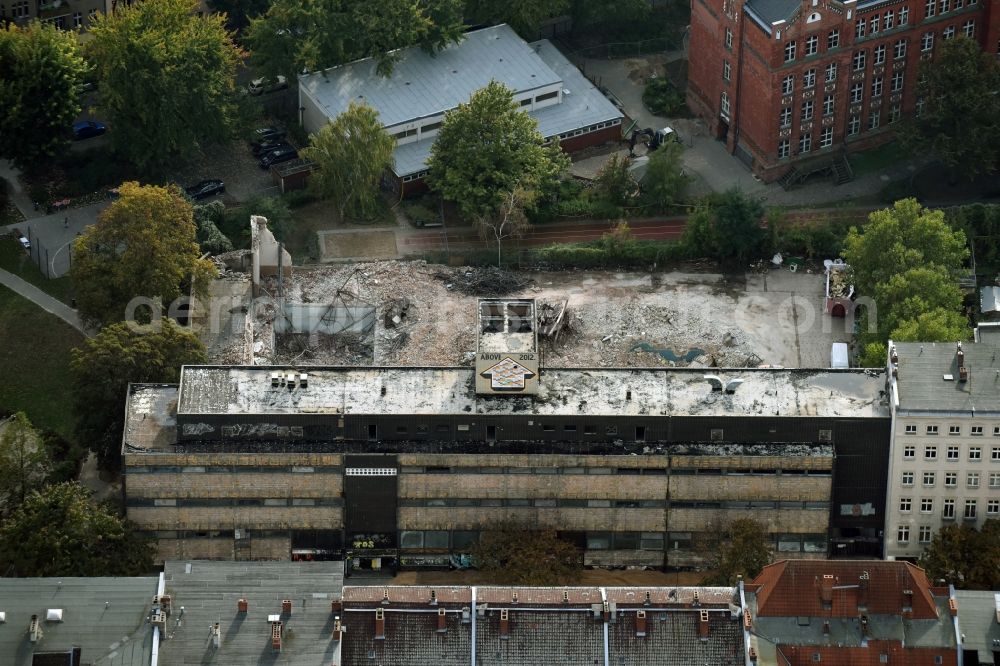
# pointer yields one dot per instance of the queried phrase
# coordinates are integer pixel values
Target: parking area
(234, 163)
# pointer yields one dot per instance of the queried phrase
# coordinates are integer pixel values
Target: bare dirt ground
(586, 577)
(614, 319)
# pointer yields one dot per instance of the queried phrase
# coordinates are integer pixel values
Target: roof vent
(732, 385)
(54, 615)
(303, 380)
(276, 379)
(3, 617)
(715, 382)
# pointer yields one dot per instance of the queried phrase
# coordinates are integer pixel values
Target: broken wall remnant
(269, 256)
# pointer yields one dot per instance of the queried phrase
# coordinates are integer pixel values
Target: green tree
(727, 227)
(915, 292)
(39, 92)
(206, 220)
(167, 79)
(614, 181)
(513, 554)
(143, 245)
(964, 556)
(57, 531)
(744, 550)
(296, 35)
(351, 155)
(24, 462)
(665, 181)
(937, 325)
(960, 120)
(525, 16)
(486, 148)
(277, 212)
(106, 364)
(239, 12)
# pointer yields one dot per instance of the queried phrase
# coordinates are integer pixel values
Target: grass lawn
(15, 260)
(34, 362)
(877, 159)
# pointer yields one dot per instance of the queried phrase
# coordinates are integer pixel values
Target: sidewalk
(42, 300)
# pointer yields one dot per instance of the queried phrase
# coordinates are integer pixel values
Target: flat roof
(208, 591)
(423, 85)
(562, 392)
(104, 617)
(979, 618)
(922, 386)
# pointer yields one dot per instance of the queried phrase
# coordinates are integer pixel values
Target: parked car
(263, 147)
(87, 129)
(206, 188)
(25, 243)
(268, 133)
(278, 156)
(261, 86)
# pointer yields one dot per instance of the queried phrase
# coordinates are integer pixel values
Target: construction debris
(492, 281)
(395, 310)
(551, 318)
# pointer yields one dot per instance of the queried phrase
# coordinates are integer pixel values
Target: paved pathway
(42, 300)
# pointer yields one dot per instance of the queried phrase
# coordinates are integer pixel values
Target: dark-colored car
(268, 133)
(87, 129)
(278, 156)
(264, 147)
(206, 188)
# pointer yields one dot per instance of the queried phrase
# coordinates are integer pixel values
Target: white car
(261, 86)
(25, 243)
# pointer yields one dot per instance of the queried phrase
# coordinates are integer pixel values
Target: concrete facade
(786, 83)
(217, 474)
(945, 460)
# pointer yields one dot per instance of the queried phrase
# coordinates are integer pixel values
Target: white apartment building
(944, 460)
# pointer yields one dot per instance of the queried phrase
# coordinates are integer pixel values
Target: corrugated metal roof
(105, 617)
(423, 85)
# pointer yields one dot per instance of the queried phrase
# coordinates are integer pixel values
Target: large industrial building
(411, 100)
(790, 86)
(406, 465)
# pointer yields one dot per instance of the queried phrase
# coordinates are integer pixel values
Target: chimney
(703, 625)
(640, 624)
(442, 621)
(606, 612)
(747, 619)
(753, 655)
(165, 603)
(335, 607)
(286, 606)
(35, 630)
(504, 624)
(863, 591)
(865, 629)
(648, 600)
(565, 596)
(241, 605)
(695, 602)
(276, 636)
(963, 372)
(907, 601)
(379, 624)
(826, 590)
(338, 629)
(513, 597)
(434, 599)
(216, 636)
(466, 615)
(385, 596)
(952, 607)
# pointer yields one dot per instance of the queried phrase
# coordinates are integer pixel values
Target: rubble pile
(483, 282)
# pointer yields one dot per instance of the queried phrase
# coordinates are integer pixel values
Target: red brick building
(796, 83)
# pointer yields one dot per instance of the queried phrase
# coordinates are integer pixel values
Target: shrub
(419, 214)
(662, 98)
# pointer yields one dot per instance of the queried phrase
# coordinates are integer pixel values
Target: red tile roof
(803, 655)
(795, 588)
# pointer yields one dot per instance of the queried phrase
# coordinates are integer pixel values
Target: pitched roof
(792, 588)
(831, 655)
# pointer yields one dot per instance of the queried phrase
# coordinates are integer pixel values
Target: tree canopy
(296, 35)
(524, 16)
(486, 148)
(143, 245)
(239, 12)
(665, 181)
(744, 550)
(39, 92)
(57, 531)
(514, 554)
(727, 227)
(351, 154)
(960, 117)
(24, 463)
(964, 556)
(105, 365)
(167, 79)
(907, 259)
